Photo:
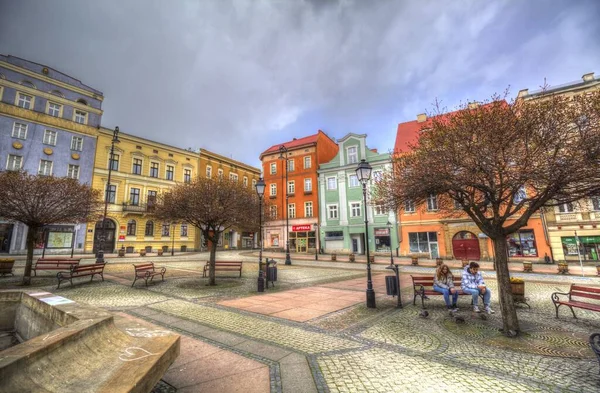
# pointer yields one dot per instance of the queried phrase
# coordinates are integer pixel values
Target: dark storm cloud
(238, 76)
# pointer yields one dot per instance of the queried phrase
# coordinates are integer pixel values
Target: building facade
(298, 160)
(425, 232)
(48, 126)
(572, 229)
(212, 165)
(341, 201)
(141, 171)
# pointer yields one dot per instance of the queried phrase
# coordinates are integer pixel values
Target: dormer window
(28, 84)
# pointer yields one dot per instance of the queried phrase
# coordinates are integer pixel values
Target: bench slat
(585, 294)
(585, 289)
(587, 306)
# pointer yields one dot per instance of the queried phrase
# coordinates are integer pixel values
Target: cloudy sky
(236, 77)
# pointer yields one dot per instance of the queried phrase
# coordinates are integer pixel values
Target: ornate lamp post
(100, 250)
(316, 227)
(173, 240)
(260, 190)
(363, 172)
(282, 150)
(389, 225)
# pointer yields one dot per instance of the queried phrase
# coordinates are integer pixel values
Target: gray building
(48, 126)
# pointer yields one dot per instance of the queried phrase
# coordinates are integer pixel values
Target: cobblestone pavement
(357, 349)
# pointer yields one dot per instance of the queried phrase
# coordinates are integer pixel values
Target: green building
(341, 210)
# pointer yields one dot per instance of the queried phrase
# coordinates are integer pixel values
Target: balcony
(140, 208)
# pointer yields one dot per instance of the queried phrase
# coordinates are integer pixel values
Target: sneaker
(476, 309)
(454, 309)
(489, 310)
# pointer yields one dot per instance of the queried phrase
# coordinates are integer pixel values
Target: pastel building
(48, 126)
(341, 201)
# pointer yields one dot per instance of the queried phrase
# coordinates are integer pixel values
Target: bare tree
(501, 162)
(213, 206)
(37, 201)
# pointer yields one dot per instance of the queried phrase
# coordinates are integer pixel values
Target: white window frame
(208, 171)
(273, 211)
(78, 146)
(308, 184)
(233, 177)
(352, 159)
(21, 98)
(353, 181)
(290, 165)
(183, 233)
(73, 171)
(291, 210)
(353, 206)
(333, 209)
(409, 207)
(273, 189)
(47, 168)
(220, 173)
(50, 137)
(253, 183)
(432, 203)
(80, 115)
(307, 162)
(19, 128)
(334, 183)
(379, 210)
(245, 181)
(308, 209)
(14, 158)
(273, 168)
(566, 208)
(51, 111)
(291, 187)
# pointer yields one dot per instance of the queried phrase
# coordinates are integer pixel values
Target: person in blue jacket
(472, 283)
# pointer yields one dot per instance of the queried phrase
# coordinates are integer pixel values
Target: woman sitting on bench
(443, 282)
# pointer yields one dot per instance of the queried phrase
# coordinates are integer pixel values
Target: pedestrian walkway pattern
(344, 346)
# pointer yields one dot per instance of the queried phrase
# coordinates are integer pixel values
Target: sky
(236, 77)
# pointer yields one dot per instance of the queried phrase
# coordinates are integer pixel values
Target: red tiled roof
(293, 144)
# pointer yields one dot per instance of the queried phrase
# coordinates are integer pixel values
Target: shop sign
(301, 228)
(582, 239)
(121, 238)
(382, 232)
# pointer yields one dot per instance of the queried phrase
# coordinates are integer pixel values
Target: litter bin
(391, 285)
(270, 271)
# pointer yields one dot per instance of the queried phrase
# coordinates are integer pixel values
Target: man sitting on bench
(472, 283)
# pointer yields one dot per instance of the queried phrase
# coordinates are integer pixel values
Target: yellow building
(141, 170)
(211, 165)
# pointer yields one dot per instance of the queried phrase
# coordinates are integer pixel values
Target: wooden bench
(147, 271)
(54, 264)
(423, 287)
(583, 296)
(81, 271)
(223, 266)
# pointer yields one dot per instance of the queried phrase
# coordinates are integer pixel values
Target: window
(151, 199)
(54, 109)
(565, 208)
(80, 117)
(77, 143)
(154, 169)
(50, 137)
(291, 187)
(355, 209)
(290, 167)
(353, 181)
(292, 210)
(596, 203)
(220, 173)
(73, 171)
(331, 183)
(137, 166)
(19, 131)
(307, 185)
(170, 172)
(379, 210)
(457, 205)
(134, 196)
(114, 163)
(273, 189)
(149, 229)
(233, 177)
(419, 242)
(14, 162)
(245, 181)
(184, 229)
(432, 204)
(308, 209)
(522, 244)
(24, 101)
(45, 168)
(208, 172)
(112, 193)
(352, 155)
(253, 183)
(166, 229)
(187, 175)
(332, 212)
(273, 168)
(409, 207)
(131, 227)
(377, 176)
(307, 162)
(520, 195)
(274, 212)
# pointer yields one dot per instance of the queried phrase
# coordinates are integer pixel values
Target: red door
(466, 246)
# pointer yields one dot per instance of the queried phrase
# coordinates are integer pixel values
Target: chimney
(588, 77)
(294, 139)
(421, 118)
(523, 93)
(473, 105)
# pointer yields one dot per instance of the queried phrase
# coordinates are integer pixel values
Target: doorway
(108, 234)
(465, 245)
(5, 237)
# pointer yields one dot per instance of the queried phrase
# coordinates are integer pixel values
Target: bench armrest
(163, 270)
(555, 297)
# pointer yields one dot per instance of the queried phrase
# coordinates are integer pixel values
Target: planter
(527, 267)
(352, 257)
(563, 268)
(121, 252)
(142, 253)
(414, 261)
(160, 252)
(464, 262)
(6, 266)
(333, 257)
(518, 291)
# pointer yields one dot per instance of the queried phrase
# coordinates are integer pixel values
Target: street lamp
(260, 190)
(316, 226)
(173, 241)
(100, 250)
(282, 150)
(389, 225)
(363, 172)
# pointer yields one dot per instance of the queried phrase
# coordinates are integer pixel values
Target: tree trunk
(31, 231)
(510, 321)
(213, 252)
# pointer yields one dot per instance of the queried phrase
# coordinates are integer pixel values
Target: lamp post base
(370, 298)
(260, 282)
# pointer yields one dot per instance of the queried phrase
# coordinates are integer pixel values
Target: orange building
(301, 215)
(427, 233)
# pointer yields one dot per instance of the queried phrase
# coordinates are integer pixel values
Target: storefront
(423, 243)
(522, 244)
(302, 239)
(382, 240)
(589, 247)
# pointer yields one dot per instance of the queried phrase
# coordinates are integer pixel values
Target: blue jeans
(487, 296)
(446, 293)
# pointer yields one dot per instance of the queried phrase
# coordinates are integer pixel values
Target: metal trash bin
(391, 285)
(270, 271)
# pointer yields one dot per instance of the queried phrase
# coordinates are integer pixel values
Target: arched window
(131, 226)
(82, 101)
(57, 93)
(149, 229)
(28, 84)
